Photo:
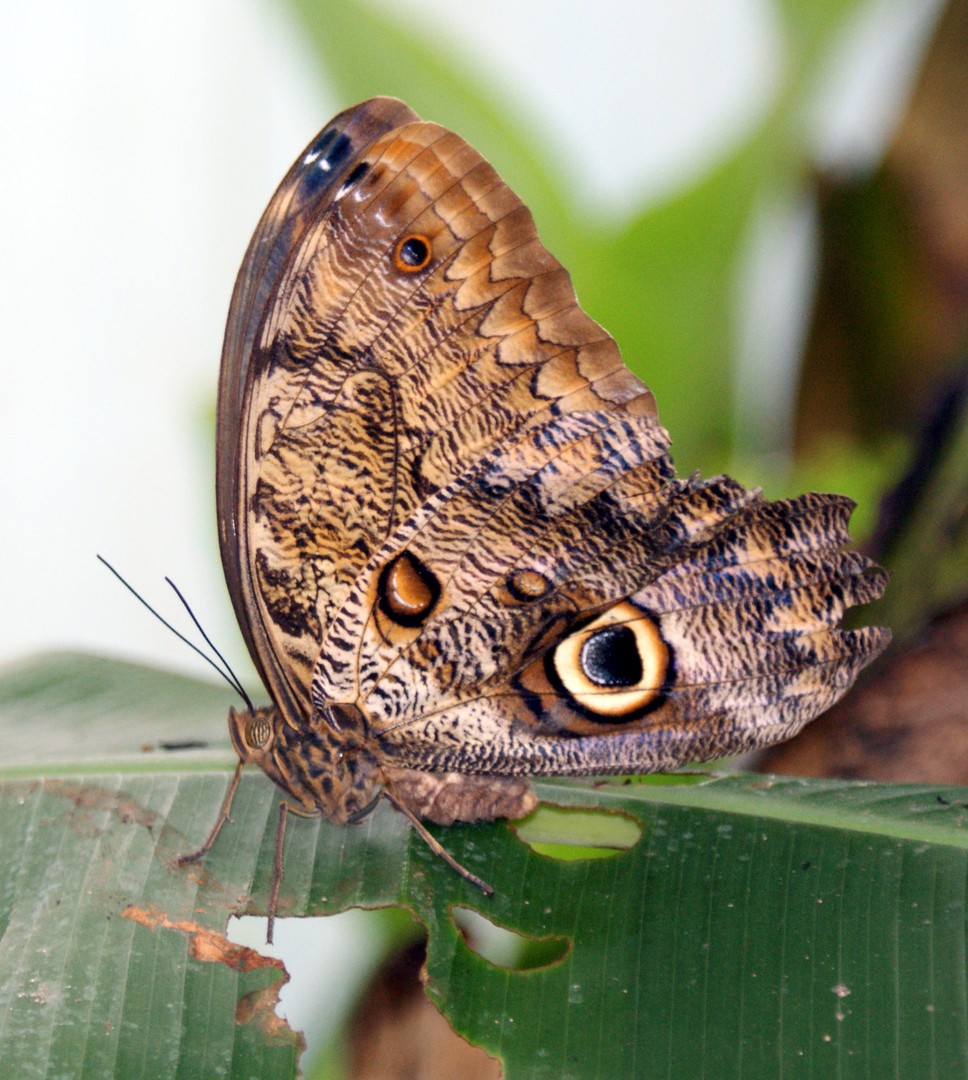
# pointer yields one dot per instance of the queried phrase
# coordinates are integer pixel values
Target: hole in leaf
(569, 833)
(507, 948)
(352, 943)
(394, 1030)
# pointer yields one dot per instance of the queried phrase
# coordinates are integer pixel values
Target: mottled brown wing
(391, 327)
(305, 194)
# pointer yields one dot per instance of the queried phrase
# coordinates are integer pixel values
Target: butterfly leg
(223, 816)
(277, 865)
(435, 846)
(277, 858)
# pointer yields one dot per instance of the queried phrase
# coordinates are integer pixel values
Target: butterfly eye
(408, 591)
(615, 667)
(258, 732)
(412, 253)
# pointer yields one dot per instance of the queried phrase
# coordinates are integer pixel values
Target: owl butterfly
(455, 542)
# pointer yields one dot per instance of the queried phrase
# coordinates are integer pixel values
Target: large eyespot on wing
(610, 671)
(330, 162)
(407, 592)
(615, 667)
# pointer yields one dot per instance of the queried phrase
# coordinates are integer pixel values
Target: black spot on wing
(323, 162)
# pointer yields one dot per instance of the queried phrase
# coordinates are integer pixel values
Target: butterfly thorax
(324, 767)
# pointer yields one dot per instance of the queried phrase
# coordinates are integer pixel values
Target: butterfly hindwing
(623, 634)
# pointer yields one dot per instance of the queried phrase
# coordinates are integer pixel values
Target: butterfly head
(255, 736)
(329, 772)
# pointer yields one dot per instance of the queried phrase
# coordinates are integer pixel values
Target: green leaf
(757, 927)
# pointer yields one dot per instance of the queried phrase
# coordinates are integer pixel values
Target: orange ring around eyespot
(412, 253)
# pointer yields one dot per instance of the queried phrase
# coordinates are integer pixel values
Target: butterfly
(454, 539)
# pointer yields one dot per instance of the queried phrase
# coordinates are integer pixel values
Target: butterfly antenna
(230, 677)
(208, 641)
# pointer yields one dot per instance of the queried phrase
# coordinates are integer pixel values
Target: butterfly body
(453, 535)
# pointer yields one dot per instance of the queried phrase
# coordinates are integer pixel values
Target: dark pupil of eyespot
(611, 658)
(413, 252)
